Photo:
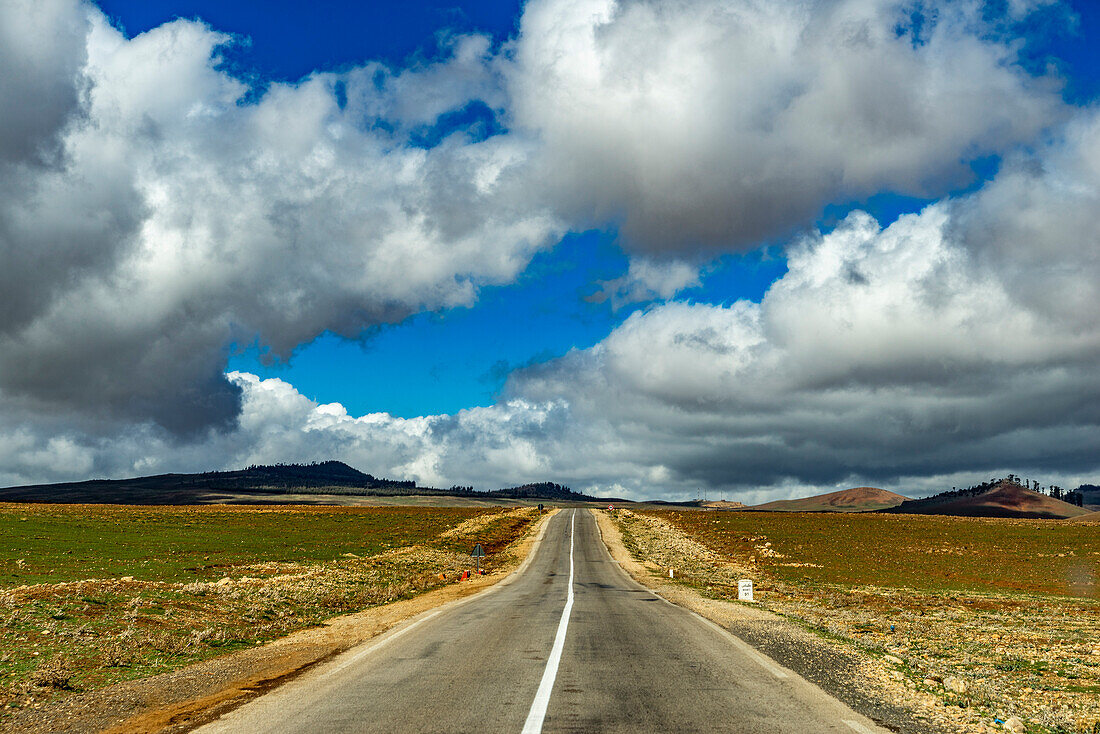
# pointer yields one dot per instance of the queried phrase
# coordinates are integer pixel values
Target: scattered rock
(224, 582)
(127, 578)
(893, 659)
(1015, 725)
(958, 685)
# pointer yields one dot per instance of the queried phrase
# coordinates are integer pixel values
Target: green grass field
(53, 543)
(92, 594)
(911, 551)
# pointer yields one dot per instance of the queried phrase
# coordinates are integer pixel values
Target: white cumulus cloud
(698, 123)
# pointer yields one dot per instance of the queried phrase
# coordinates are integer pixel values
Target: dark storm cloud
(42, 55)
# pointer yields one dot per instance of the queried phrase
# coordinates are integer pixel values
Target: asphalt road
(568, 644)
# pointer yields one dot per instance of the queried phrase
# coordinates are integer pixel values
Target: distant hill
(857, 499)
(724, 505)
(1087, 517)
(297, 476)
(1003, 498)
(1090, 494)
(329, 477)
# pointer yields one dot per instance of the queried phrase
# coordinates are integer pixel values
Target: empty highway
(568, 644)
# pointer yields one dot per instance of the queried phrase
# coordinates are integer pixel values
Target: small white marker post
(744, 590)
(670, 574)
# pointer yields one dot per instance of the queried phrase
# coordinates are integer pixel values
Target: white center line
(533, 725)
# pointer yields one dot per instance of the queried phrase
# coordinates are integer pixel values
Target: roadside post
(540, 508)
(478, 553)
(744, 590)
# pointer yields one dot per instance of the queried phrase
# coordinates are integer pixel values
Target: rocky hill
(1003, 498)
(857, 499)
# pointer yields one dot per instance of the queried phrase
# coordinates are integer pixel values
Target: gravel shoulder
(842, 672)
(184, 699)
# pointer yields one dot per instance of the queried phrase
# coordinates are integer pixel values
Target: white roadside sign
(744, 590)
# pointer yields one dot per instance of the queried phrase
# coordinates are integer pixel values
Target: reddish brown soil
(1006, 500)
(857, 499)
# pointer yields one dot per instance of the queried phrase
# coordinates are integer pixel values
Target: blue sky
(442, 362)
(289, 39)
(608, 188)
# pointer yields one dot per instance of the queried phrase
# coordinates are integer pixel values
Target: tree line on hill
(1075, 497)
(540, 490)
(337, 478)
(293, 476)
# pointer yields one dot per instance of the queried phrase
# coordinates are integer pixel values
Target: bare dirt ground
(913, 660)
(183, 699)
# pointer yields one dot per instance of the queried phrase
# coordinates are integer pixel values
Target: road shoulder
(836, 669)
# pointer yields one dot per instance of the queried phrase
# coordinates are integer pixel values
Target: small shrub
(116, 654)
(56, 673)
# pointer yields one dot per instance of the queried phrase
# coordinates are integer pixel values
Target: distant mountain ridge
(294, 476)
(333, 477)
(856, 499)
(323, 478)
